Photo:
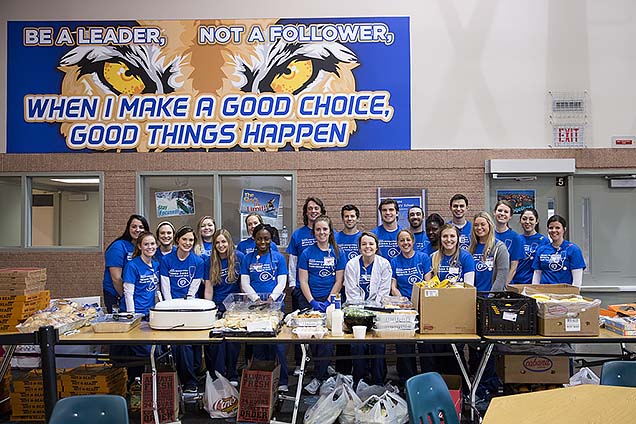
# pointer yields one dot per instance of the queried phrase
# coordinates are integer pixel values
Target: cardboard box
(534, 369)
(167, 398)
(544, 288)
(584, 323)
(259, 386)
(446, 310)
(454, 384)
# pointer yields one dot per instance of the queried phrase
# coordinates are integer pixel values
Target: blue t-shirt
(117, 255)
(429, 249)
(388, 242)
(530, 246)
(321, 266)
(207, 249)
(556, 264)
(181, 273)
(146, 280)
(407, 271)
(264, 270)
(513, 243)
(483, 268)
(249, 245)
(464, 234)
(365, 277)
(159, 254)
(421, 242)
(223, 288)
(449, 270)
(301, 239)
(348, 243)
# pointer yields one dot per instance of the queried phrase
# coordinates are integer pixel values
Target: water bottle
(284, 234)
(135, 395)
(337, 318)
(330, 308)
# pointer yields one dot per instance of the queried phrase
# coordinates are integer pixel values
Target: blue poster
(209, 85)
(261, 202)
(404, 204)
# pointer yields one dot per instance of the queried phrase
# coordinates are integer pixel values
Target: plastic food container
(356, 316)
(387, 333)
(406, 315)
(242, 302)
(310, 332)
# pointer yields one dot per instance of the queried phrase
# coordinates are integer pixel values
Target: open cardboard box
(446, 310)
(544, 288)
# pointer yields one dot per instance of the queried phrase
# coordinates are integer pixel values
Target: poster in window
(263, 203)
(520, 199)
(174, 203)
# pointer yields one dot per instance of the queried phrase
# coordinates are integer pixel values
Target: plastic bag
(348, 415)
(364, 391)
(400, 408)
(584, 376)
(327, 409)
(334, 381)
(376, 410)
(221, 398)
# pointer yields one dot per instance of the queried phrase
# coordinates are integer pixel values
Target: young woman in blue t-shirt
(221, 274)
(532, 240)
(560, 262)
(117, 254)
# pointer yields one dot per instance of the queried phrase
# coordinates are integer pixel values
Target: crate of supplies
(506, 313)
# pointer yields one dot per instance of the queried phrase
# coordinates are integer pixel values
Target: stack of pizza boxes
(22, 293)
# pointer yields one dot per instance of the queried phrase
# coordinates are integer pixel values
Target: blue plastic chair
(93, 409)
(428, 399)
(619, 373)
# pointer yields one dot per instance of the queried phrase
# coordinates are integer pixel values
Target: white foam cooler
(183, 314)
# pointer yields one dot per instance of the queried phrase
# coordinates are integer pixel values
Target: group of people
(358, 265)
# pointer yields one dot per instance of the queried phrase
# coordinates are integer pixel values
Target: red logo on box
(537, 364)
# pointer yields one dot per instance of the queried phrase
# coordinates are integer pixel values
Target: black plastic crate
(505, 313)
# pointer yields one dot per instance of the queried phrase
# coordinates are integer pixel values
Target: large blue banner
(205, 85)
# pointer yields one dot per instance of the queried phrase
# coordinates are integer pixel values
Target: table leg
(153, 367)
(48, 337)
(462, 367)
(480, 371)
(299, 387)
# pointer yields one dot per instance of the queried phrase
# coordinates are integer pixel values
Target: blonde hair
(198, 243)
(436, 259)
(215, 259)
(489, 246)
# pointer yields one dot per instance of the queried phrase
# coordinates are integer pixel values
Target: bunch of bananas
(435, 283)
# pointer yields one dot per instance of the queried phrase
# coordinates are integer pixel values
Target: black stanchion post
(48, 337)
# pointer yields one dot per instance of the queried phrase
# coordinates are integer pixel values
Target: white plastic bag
(364, 391)
(376, 410)
(584, 376)
(334, 381)
(221, 398)
(348, 415)
(400, 408)
(327, 409)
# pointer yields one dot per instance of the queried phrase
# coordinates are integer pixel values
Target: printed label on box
(509, 316)
(572, 324)
(431, 293)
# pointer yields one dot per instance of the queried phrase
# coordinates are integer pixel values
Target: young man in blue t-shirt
(387, 232)
(458, 207)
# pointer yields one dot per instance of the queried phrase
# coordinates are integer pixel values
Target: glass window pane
(180, 199)
(10, 212)
(278, 187)
(65, 211)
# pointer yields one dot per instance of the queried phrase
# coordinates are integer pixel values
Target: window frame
(26, 217)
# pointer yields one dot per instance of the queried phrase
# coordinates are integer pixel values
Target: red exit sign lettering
(568, 135)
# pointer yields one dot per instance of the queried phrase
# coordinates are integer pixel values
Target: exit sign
(568, 136)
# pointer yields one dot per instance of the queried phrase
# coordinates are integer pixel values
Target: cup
(359, 331)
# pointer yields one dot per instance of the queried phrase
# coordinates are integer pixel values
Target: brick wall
(336, 177)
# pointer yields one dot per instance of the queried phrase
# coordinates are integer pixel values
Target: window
(236, 193)
(180, 199)
(162, 193)
(11, 211)
(62, 211)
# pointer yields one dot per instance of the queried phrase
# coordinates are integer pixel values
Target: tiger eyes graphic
(121, 79)
(297, 75)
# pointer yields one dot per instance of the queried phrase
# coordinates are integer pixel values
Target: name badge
(256, 267)
(555, 258)
(453, 270)
(330, 261)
